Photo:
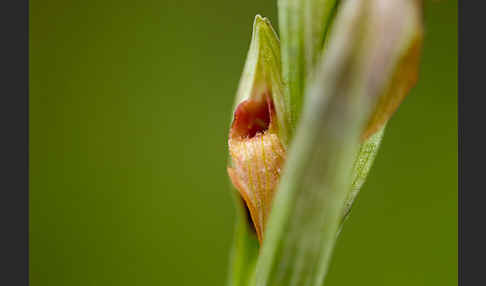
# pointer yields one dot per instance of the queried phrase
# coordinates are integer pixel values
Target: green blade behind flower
(303, 26)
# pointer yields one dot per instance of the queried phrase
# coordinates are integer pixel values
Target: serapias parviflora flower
(257, 155)
(258, 134)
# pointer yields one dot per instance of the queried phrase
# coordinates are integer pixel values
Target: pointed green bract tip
(262, 73)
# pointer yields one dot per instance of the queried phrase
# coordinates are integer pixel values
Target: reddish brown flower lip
(252, 117)
(257, 157)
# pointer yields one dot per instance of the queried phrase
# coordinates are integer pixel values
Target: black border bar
(14, 118)
(472, 143)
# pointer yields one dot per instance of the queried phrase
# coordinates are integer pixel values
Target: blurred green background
(129, 112)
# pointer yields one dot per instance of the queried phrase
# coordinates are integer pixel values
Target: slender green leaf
(303, 26)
